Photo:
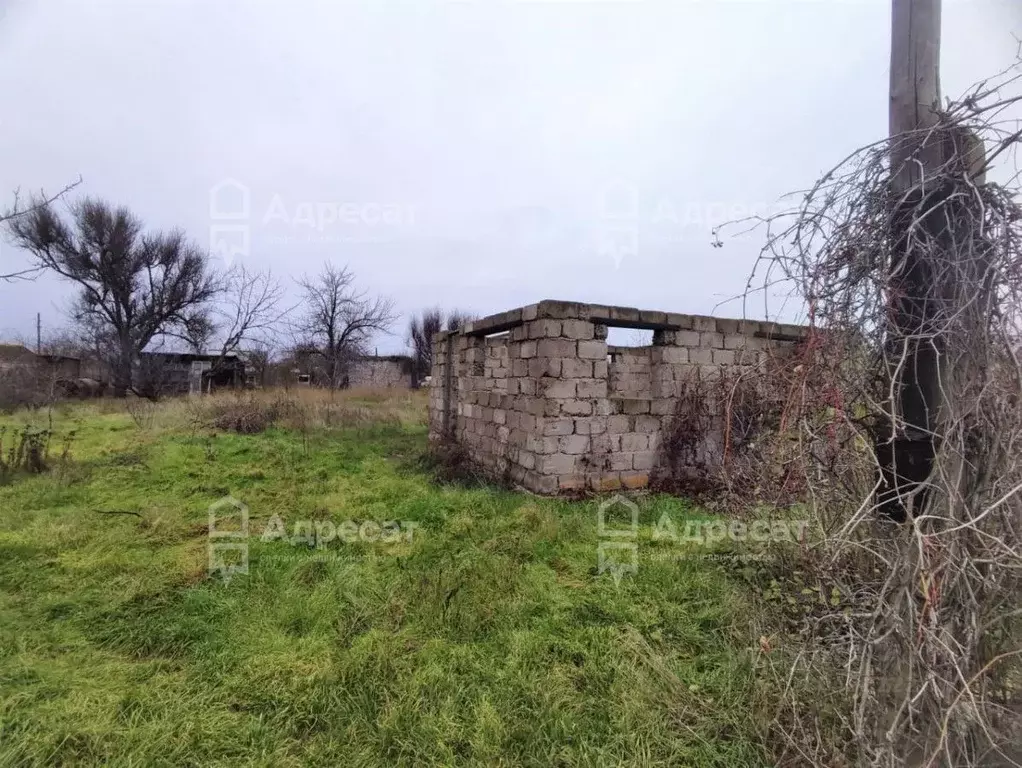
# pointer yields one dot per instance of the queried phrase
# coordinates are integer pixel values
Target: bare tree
(339, 320)
(16, 210)
(423, 328)
(134, 286)
(246, 315)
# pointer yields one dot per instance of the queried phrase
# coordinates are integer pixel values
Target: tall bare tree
(247, 314)
(423, 328)
(134, 286)
(339, 320)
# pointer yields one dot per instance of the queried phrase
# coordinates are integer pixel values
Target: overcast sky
(478, 155)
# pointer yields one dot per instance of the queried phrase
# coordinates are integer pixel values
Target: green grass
(489, 638)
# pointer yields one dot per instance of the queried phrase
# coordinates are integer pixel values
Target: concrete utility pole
(917, 156)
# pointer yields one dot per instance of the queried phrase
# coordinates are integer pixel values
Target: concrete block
(535, 405)
(624, 314)
(564, 310)
(526, 459)
(527, 349)
(605, 482)
(635, 406)
(540, 329)
(571, 482)
(727, 325)
(700, 356)
(711, 340)
(577, 329)
(573, 368)
(540, 483)
(599, 369)
(619, 424)
(574, 444)
(735, 341)
(634, 441)
(559, 427)
(592, 350)
(600, 332)
(749, 327)
(679, 321)
(724, 356)
(704, 324)
(686, 338)
(643, 460)
(634, 480)
(557, 464)
(605, 444)
(541, 445)
(619, 461)
(672, 355)
(647, 424)
(590, 426)
(530, 312)
(576, 407)
(557, 387)
(649, 316)
(558, 347)
(663, 406)
(592, 388)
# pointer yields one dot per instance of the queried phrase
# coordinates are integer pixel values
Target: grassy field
(479, 633)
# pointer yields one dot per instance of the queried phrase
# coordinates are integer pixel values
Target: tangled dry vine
(907, 428)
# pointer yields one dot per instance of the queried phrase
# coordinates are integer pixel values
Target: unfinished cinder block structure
(537, 395)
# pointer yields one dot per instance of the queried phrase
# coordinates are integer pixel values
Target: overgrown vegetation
(905, 427)
(486, 637)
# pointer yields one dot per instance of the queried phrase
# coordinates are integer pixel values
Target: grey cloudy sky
(468, 154)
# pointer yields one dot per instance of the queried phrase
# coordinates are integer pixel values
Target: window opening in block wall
(629, 337)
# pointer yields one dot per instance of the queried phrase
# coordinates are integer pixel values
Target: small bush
(246, 417)
(27, 449)
(143, 412)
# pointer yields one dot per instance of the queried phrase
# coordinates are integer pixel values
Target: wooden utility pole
(38, 333)
(913, 349)
(915, 91)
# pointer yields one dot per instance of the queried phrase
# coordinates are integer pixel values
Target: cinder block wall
(381, 372)
(536, 396)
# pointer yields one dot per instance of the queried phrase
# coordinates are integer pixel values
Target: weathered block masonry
(536, 394)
